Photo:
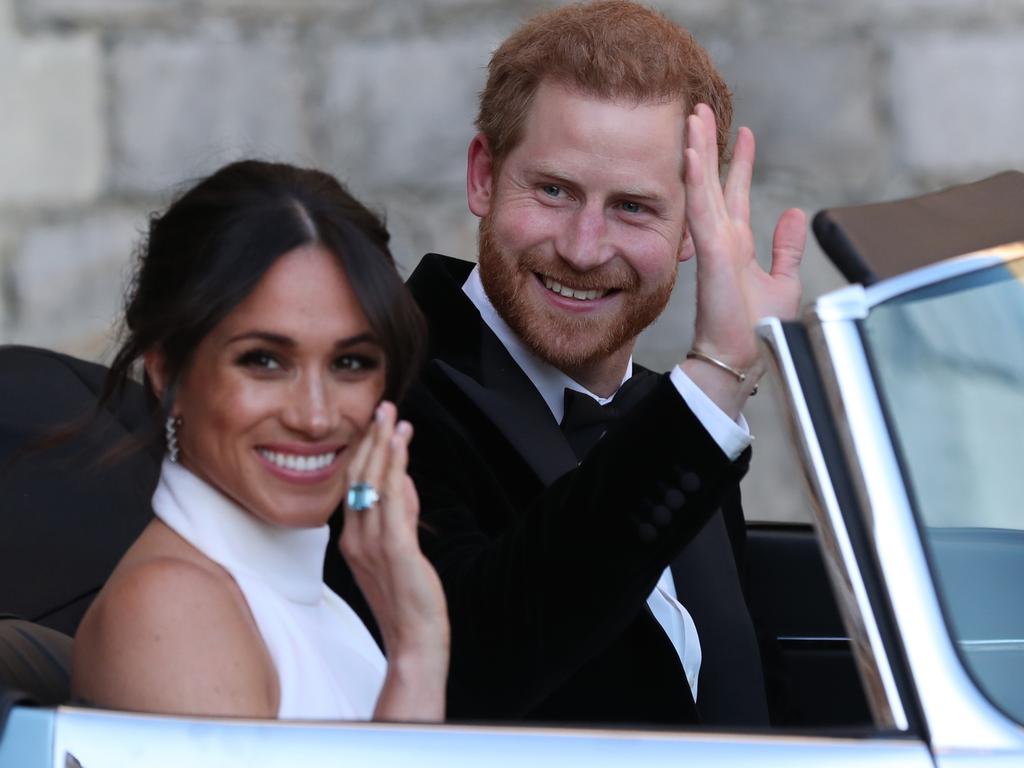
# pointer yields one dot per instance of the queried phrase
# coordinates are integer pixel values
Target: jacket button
(674, 499)
(646, 532)
(689, 482)
(661, 516)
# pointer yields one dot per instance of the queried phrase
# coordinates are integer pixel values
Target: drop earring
(171, 427)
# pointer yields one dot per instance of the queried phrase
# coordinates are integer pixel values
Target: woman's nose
(310, 410)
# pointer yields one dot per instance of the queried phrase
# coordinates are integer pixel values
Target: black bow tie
(585, 420)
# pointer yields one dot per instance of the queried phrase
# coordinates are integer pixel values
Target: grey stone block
(51, 97)
(48, 12)
(812, 105)
(400, 112)
(957, 101)
(419, 224)
(69, 280)
(184, 106)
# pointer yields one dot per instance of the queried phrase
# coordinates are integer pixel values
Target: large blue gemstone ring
(361, 496)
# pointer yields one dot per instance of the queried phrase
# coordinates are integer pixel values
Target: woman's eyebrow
(359, 338)
(281, 340)
(267, 336)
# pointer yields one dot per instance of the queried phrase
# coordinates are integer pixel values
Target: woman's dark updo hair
(211, 247)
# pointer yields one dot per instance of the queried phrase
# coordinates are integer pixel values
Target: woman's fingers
(396, 511)
(355, 471)
(362, 526)
(384, 425)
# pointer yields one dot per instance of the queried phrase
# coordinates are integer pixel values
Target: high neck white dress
(328, 665)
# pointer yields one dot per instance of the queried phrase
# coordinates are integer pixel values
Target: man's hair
(612, 49)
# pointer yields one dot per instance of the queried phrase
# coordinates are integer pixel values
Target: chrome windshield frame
(957, 715)
(841, 563)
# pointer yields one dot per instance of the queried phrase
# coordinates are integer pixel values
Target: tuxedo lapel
(517, 410)
(468, 353)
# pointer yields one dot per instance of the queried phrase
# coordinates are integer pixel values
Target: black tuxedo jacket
(547, 566)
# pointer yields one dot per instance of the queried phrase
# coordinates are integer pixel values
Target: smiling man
(583, 513)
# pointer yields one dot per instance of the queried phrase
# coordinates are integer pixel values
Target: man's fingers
(706, 210)
(788, 244)
(741, 172)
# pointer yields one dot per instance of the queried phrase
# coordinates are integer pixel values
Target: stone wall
(105, 105)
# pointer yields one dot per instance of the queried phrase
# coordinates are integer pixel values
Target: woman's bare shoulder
(170, 633)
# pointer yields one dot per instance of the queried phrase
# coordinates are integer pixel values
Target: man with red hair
(581, 512)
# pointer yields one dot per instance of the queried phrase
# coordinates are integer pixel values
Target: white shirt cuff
(732, 437)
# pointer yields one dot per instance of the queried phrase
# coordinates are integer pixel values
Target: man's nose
(583, 242)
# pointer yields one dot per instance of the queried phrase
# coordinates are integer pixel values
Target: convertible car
(897, 614)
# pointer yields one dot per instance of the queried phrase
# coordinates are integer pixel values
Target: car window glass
(949, 363)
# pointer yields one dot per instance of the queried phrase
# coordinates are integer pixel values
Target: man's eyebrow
(641, 193)
(542, 168)
(281, 340)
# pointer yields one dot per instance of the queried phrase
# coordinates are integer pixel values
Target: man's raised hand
(733, 291)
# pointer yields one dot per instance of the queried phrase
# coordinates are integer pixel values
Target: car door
(908, 402)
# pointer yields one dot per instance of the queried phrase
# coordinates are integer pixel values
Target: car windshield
(949, 362)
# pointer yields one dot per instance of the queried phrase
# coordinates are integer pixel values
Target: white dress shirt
(731, 436)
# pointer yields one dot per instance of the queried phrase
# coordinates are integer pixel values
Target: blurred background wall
(106, 105)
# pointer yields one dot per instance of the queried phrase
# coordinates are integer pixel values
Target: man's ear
(479, 176)
(156, 371)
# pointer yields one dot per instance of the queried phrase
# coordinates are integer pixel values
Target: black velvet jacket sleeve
(538, 586)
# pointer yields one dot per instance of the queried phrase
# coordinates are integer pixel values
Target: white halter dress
(328, 665)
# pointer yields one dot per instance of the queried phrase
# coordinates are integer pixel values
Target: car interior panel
(791, 596)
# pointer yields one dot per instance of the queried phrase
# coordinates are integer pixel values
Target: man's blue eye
(552, 190)
(631, 207)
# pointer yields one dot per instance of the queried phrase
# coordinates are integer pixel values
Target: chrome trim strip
(855, 301)
(840, 562)
(121, 740)
(1016, 644)
(848, 303)
(957, 714)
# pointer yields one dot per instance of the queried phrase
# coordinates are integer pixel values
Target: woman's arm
(381, 547)
(169, 636)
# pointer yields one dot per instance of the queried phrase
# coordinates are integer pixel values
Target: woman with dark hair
(275, 336)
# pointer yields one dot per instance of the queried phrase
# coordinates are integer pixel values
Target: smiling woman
(272, 324)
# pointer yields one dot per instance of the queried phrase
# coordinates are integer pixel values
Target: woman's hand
(381, 546)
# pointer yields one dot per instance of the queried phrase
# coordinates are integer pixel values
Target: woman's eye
(355, 363)
(259, 358)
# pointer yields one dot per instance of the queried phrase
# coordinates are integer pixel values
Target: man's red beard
(566, 341)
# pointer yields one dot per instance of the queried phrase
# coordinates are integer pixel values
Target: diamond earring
(171, 427)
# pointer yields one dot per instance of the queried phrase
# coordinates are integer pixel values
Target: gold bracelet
(694, 354)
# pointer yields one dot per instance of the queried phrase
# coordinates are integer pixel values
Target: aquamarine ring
(361, 496)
